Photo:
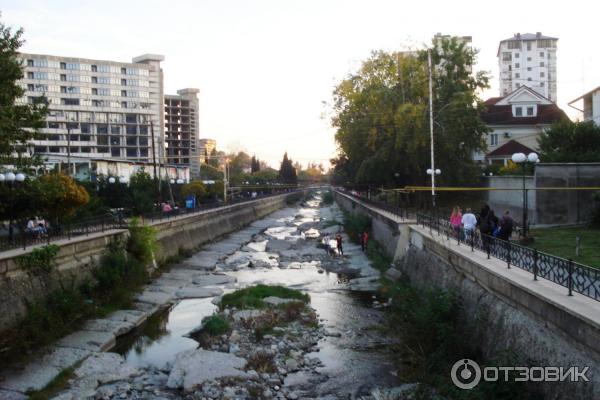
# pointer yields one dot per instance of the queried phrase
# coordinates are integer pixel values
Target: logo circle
(465, 374)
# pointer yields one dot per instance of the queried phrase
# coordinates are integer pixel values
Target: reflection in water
(161, 338)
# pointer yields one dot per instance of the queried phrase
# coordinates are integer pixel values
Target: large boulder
(193, 367)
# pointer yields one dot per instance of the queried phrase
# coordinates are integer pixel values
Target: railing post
(570, 278)
(102, 223)
(535, 264)
(472, 233)
(24, 235)
(458, 233)
(508, 254)
(69, 231)
(489, 245)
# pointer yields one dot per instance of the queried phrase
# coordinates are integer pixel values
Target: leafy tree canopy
(568, 141)
(381, 114)
(19, 123)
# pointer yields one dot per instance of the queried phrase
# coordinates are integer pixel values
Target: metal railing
(574, 276)
(400, 212)
(119, 219)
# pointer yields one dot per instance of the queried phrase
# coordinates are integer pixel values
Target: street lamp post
(10, 179)
(521, 158)
(433, 173)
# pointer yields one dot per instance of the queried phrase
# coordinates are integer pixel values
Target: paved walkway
(385, 213)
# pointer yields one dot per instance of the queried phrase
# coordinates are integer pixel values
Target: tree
(59, 196)
(195, 188)
(140, 195)
(239, 164)
(287, 172)
(213, 161)
(19, 123)
(382, 120)
(254, 165)
(568, 141)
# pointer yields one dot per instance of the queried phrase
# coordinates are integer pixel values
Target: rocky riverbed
(330, 348)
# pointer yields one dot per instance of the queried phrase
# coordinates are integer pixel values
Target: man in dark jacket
(506, 226)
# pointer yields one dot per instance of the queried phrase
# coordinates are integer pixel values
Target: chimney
(538, 34)
(518, 35)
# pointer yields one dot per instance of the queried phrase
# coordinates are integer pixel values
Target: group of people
(487, 222)
(37, 226)
(338, 245)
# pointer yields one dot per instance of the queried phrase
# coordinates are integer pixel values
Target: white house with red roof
(516, 121)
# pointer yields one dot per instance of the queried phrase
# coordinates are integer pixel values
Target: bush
(252, 297)
(355, 224)
(215, 325)
(328, 198)
(142, 244)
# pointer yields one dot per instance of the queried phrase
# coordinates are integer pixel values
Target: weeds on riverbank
(356, 224)
(327, 198)
(70, 301)
(252, 297)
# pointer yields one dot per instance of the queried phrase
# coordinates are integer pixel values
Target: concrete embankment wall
(78, 256)
(392, 235)
(535, 320)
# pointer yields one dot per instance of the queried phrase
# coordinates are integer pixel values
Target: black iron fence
(400, 212)
(117, 219)
(574, 276)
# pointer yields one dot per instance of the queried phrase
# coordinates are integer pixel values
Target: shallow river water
(355, 354)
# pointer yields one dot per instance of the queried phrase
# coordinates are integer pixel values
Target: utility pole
(156, 177)
(69, 149)
(431, 128)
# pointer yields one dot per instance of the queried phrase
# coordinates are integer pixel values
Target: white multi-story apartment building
(98, 109)
(528, 60)
(182, 129)
(589, 105)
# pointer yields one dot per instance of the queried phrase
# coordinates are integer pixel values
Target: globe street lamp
(430, 171)
(521, 158)
(10, 178)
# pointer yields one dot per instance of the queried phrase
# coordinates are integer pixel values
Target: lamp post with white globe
(10, 179)
(523, 160)
(433, 173)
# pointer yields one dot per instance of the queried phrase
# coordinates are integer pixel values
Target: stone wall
(512, 199)
(392, 236)
(78, 256)
(540, 332)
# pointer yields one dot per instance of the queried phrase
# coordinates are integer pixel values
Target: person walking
(456, 220)
(340, 249)
(364, 241)
(469, 222)
(506, 226)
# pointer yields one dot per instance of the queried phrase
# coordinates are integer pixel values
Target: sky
(266, 69)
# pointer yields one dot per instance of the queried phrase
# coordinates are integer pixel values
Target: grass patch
(327, 198)
(60, 382)
(215, 325)
(561, 242)
(261, 362)
(252, 297)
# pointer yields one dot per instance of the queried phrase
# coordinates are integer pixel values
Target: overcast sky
(265, 67)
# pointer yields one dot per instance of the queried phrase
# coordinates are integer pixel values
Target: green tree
(568, 141)
(195, 188)
(213, 160)
(141, 193)
(254, 164)
(19, 123)
(287, 172)
(59, 196)
(381, 114)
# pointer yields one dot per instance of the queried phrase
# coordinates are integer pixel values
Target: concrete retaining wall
(392, 236)
(512, 200)
(78, 256)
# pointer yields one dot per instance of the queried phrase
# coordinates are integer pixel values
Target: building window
(542, 64)
(63, 65)
(143, 130)
(131, 152)
(545, 43)
(30, 75)
(54, 149)
(53, 125)
(63, 77)
(85, 138)
(102, 140)
(518, 111)
(131, 118)
(516, 55)
(542, 84)
(86, 128)
(131, 141)
(94, 68)
(123, 82)
(529, 79)
(541, 54)
(30, 63)
(542, 74)
(123, 93)
(528, 58)
(514, 44)
(494, 139)
(506, 56)
(131, 129)
(94, 79)
(517, 65)
(115, 140)
(528, 46)
(123, 104)
(95, 91)
(517, 75)
(510, 67)
(115, 152)
(123, 70)
(69, 102)
(528, 68)
(102, 129)
(30, 87)
(530, 111)
(115, 130)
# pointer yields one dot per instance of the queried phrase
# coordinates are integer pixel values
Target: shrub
(142, 244)
(252, 297)
(328, 198)
(261, 362)
(354, 224)
(215, 325)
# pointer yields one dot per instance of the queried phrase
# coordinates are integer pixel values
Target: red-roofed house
(519, 117)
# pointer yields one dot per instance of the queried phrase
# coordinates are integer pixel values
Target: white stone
(157, 298)
(136, 317)
(34, 377)
(193, 367)
(10, 395)
(212, 279)
(117, 328)
(88, 340)
(197, 292)
(106, 368)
